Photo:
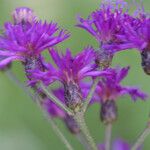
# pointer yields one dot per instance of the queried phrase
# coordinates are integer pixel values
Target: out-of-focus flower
(135, 35)
(23, 15)
(138, 36)
(109, 90)
(118, 144)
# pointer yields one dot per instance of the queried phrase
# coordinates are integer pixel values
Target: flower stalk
(60, 134)
(92, 90)
(53, 125)
(56, 100)
(141, 138)
(108, 132)
(82, 140)
(79, 117)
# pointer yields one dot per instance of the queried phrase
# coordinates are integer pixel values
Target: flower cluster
(70, 71)
(84, 78)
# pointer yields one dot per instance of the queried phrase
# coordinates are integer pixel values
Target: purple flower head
(110, 87)
(19, 42)
(118, 144)
(136, 29)
(70, 71)
(70, 68)
(137, 35)
(106, 22)
(23, 15)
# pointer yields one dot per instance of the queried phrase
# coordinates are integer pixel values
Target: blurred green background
(22, 125)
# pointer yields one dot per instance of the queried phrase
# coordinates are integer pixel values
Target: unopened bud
(103, 59)
(145, 55)
(31, 64)
(73, 97)
(108, 112)
(23, 15)
(72, 125)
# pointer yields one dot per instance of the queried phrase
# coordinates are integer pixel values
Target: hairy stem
(82, 140)
(14, 79)
(141, 138)
(56, 100)
(92, 90)
(108, 131)
(60, 134)
(54, 126)
(79, 117)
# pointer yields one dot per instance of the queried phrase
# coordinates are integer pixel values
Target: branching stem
(89, 97)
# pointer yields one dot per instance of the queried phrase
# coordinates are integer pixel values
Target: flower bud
(31, 64)
(145, 55)
(108, 112)
(73, 97)
(23, 15)
(103, 59)
(72, 125)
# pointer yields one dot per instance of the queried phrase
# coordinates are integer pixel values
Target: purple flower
(110, 88)
(118, 144)
(70, 71)
(136, 33)
(21, 42)
(105, 23)
(70, 68)
(23, 15)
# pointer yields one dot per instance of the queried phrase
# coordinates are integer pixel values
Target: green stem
(89, 97)
(54, 126)
(14, 79)
(141, 138)
(108, 132)
(79, 117)
(60, 134)
(82, 140)
(56, 100)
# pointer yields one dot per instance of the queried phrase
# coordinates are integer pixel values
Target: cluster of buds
(26, 37)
